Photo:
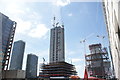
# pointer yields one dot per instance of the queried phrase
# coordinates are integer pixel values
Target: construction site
(97, 62)
(57, 69)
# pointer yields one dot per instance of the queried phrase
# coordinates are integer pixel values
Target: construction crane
(84, 42)
(102, 39)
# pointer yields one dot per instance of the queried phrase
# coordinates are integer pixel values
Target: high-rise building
(18, 52)
(97, 62)
(7, 30)
(112, 19)
(31, 67)
(57, 68)
(57, 44)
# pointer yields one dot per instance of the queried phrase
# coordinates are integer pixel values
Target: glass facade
(18, 51)
(6, 29)
(6, 32)
(31, 67)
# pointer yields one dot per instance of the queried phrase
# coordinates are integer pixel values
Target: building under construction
(57, 69)
(97, 62)
(57, 66)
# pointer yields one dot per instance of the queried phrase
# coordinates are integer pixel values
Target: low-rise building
(13, 74)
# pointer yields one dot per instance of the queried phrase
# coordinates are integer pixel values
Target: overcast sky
(82, 20)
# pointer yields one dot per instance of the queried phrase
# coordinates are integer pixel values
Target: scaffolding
(97, 62)
(57, 69)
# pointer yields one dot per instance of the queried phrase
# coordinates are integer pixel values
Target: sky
(82, 20)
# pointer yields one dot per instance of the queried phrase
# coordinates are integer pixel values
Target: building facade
(112, 18)
(18, 52)
(7, 30)
(31, 67)
(14, 75)
(57, 44)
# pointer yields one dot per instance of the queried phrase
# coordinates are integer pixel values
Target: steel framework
(97, 62)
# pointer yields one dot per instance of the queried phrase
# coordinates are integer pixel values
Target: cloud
(39, 31)
(13, 8)
(70, 14)
(62, 2)
(76, 60)
(29, 25)
(43, 54)
(54, 0)
(34, 15)
(23, 26)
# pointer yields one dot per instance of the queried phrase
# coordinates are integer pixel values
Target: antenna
(54, 21)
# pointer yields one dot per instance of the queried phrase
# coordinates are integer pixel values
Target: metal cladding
(18, 51)
(97, 62)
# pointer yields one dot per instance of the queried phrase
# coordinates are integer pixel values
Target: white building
(112, 18)
(57, 44)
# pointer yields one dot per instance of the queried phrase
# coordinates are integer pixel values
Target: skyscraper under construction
(57, 66)
(57, 43)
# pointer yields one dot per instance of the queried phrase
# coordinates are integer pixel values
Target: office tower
(31, 67)
(17, 55)
(57, 43)
(112, 18)
(7, 30)
(97, 62)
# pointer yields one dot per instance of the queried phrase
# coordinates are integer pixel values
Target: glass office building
(7, 30)
(31, 67)
(17, 52)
